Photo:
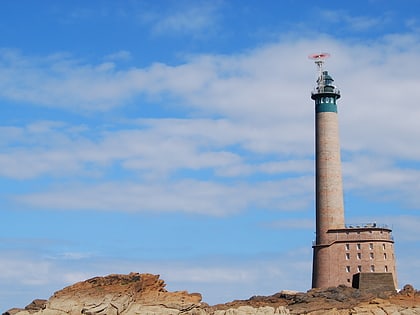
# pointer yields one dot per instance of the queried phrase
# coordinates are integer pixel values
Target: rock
(36, 305)
(249, 310)
(408, 290)
(13, 311)
(145, 294)
(116, 295)
(33, 307)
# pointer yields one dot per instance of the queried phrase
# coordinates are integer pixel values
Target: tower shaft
(329, 184)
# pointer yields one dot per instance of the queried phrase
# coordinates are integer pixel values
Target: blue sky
(177, 138)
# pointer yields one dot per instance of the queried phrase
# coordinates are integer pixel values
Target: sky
(177, 138)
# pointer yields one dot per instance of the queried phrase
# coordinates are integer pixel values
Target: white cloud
(292, 224)
(356, 23)
(22, 270)
(191, 196)
(186, 18)
(257, 85)
(382, 179)
(123, 55)
(161, 147)
(64, 82)
(267, 117)
(405, 227)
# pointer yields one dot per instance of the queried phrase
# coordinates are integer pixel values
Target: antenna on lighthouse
(319, 59)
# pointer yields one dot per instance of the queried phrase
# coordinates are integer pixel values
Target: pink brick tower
(340, 251)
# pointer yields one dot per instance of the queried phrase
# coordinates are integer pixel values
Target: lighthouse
(329, 183)
(358, 255)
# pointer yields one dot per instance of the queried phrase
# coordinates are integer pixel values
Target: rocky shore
(145, 294)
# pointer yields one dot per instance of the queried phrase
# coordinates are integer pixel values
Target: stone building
(340, 251)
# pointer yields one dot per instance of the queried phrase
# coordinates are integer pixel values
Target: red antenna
(319, 59)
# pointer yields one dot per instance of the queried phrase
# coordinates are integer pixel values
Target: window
(359, 268)
(359, 256)
(358, 246)
(372, 268)
(383, 246)
(347, 268)
(385, 256)
(371, 256)
(386, 268)
(347, 256)
(371, 246)
(347, 246)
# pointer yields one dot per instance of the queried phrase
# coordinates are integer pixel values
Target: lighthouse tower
(355, 255)
(329, 184)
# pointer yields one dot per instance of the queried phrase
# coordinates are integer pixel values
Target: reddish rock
(145, 294)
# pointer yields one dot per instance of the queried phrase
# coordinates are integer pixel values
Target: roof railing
(366, 225)
(325, 89)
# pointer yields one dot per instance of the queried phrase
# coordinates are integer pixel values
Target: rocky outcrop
(116, 295)
(145, 294)
(340, 300)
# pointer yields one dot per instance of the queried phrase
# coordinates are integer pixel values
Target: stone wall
(373, 282)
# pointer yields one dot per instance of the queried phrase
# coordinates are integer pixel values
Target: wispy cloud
(123, 55)
(251, 91)
(192, 18)
(405, 227)
(355, 23)
(382, 180)
(163, 146)
(190, 196)
(293, 224)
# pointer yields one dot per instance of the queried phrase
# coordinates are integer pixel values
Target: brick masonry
(350, 251)
(329, 187)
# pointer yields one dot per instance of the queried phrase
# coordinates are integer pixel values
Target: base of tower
(374, 282)
(351, 251)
